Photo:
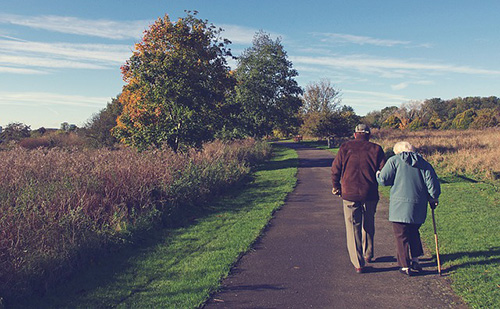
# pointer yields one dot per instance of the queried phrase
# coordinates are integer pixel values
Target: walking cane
(436, 240)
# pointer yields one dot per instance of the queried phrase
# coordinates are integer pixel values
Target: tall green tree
(266, 88)
(176, 85)
(98, 127)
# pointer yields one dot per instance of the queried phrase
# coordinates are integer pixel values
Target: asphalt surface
(301, 261)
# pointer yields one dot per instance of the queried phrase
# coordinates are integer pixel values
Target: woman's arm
(388, 173)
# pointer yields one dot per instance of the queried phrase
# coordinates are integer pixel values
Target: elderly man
(353, 178)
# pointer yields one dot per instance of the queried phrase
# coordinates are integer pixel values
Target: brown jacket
(354, 168)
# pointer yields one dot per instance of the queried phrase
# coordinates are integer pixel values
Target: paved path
(301, 261)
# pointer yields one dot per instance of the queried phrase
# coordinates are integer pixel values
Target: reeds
(465, 152)
(60, 206)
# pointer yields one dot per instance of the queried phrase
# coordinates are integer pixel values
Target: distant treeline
(457, 113)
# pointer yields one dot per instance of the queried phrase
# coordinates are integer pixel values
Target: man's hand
(335, 191)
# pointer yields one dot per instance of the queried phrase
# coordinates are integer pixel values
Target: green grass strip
(180, 268)
(468, 229)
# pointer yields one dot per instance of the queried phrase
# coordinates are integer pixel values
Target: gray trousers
(360, 230)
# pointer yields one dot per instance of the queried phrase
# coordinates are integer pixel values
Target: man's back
(354, 168)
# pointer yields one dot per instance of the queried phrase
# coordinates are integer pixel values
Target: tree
(98, 127)
(486, 118)
(64, 127)
(351, 120)
(41, 130)
(417, 124)
(176, 84)
(434, 122)
(15, 131)
(436, 107)
(409, 111)
(392, 122)
(463, 120)
(321, 97)
(322, 113)
(266, 88)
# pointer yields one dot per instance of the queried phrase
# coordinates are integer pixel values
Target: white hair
(400, 147)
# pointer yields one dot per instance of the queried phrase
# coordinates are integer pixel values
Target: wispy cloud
(46, 62)
(364, 101)
(109, 53)
(243, 35)
(50, 99)
(380, 95)
(360, 40)
(388, 67)
(110, 29)
(404, 85)
(13, 70)
(238, 34)
(21, 55)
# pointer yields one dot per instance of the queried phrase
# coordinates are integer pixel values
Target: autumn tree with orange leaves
(177, 81)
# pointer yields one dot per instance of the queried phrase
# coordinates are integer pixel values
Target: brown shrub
(57, 204)
(35, 142)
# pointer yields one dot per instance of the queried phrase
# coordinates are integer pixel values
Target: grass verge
(181, 267)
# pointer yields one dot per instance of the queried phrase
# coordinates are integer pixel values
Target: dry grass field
(472, 153)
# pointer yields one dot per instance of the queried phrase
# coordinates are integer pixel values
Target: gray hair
(400, 147)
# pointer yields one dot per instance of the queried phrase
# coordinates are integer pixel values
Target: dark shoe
(368, 260)
(360, 270)
(416, 267)
(408, 272)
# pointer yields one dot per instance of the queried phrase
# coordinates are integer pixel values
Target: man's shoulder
(375, 144)
(360, 144)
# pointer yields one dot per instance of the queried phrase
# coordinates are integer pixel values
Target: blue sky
(60, 60)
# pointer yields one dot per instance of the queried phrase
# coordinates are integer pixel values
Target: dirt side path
(301, 261)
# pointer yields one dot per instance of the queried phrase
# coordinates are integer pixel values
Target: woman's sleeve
(432, 182)
(387, 174)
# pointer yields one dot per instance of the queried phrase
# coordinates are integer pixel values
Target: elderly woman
(414, 184)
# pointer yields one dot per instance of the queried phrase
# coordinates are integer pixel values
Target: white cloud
(383, 95)
(13, 70)
(388, 67)
(360, 40)
(12, 38)
(24, 54)
(366, 101)
(243, 35)
(46, 62)
(114, 53)
(238, 34)
(404, 85)
(50, 99)
(400, 86)
(110, 29)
